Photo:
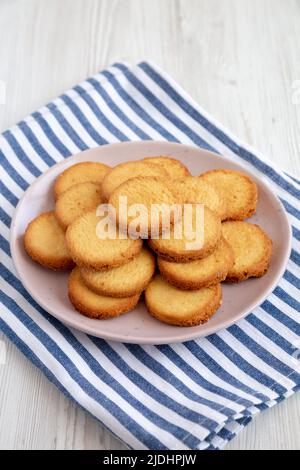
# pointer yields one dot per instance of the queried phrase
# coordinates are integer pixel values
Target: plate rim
(184, 335)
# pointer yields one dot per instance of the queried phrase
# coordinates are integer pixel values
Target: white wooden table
(238, 58)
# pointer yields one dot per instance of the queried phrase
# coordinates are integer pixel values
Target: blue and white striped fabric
(196, 395)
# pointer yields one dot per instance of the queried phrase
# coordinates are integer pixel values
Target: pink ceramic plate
(49, 289)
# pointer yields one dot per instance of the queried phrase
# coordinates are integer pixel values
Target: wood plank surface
(238, 58)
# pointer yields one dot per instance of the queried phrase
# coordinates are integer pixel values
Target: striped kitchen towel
(195, 395)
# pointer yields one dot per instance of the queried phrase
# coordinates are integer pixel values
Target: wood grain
(238, 58)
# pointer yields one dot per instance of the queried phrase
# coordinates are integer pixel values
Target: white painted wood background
(238, 58)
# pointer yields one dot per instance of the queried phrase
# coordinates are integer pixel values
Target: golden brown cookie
(200, 273)
(146, 191)
(237, 189)
(195, 190)
(126, 280)
(77, 200)
(79, 173)
(180, 307)
(179, 250)
(97, 306)
(173, 167)
(89, 250)
(45, 243)
(124, 171)
(252, 250)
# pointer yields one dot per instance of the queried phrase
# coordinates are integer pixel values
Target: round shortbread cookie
(238, 191)
(146, 191)
(96, 306)
(173, 167)
(180, 307)
(195, 190)
(200, 273)
(124, 281)
(89, 250)
(252, 250)
(45, 243)
(179, 250)
(124, 171)
(79, 173)
(77, 200)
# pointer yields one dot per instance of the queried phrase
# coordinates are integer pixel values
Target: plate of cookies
(149, 242)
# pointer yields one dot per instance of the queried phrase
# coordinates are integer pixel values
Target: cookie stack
(233, 250)
(108, 275)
